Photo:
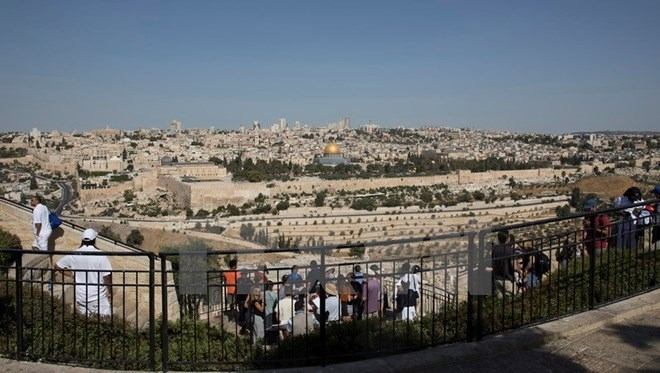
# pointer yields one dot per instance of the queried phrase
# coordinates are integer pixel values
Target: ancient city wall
(209, 195)
(87, 195)
(181, 191)
(466, 176)
(23, 160)
(45, 162)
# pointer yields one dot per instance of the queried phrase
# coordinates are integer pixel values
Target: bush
(135, 238)
(8, 240)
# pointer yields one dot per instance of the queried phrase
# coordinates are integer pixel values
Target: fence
(460, 296)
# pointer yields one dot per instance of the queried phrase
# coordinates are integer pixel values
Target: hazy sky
(533, 66)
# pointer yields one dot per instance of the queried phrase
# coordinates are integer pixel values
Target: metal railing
(172, 312)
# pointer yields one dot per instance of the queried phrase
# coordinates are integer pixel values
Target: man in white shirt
(40, 224)
(92, 275)
(332, 307)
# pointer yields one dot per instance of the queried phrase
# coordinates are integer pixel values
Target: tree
(562, 211)
(512, 182)
(646, 165)
(129, 195)
(135, 238)
(201, 213)
(319, 201)
(33, 183)
(282, 205)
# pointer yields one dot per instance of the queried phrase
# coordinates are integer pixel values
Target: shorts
(41, 241)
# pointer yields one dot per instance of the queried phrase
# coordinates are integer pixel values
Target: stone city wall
(45, 162)
(181, 191)
(22, 160)
(209, 195)
(145, 180)
(87, 195)
(466, 176)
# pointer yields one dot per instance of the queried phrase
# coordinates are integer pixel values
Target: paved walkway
(622, 337)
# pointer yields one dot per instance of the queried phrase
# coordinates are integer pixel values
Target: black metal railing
(173, 310)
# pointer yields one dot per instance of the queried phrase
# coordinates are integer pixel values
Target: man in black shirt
(503, 265)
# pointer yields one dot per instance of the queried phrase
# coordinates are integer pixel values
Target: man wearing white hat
(92, 276)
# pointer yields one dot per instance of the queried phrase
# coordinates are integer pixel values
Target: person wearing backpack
(535, 264)
(596, 229)
(40, 224)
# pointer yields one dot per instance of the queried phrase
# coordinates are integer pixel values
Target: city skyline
(511, 66)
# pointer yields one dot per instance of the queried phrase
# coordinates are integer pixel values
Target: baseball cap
(656, 190)
(89, 234)
(591, 204)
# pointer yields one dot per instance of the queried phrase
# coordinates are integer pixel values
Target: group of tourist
(293, 305)
(265, 308)
(517, 268)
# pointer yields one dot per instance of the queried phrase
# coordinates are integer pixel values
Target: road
(67, 194)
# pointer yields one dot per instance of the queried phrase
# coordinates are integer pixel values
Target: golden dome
(331, 149)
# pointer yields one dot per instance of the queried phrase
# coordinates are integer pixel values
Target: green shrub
(8, 240)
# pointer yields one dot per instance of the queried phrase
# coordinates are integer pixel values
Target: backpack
(54, 220)
(542, 264)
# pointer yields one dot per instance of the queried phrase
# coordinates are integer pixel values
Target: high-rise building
(175, 126)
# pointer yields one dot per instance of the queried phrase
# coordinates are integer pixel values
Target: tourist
(371, 295)
(92, 276)
(406, 301)
(313, 277)
(229, 278)
(530, 275)
(383, 289)
(357, 274)
(332, 308)
(357, 304)
(285, 310)
(655, 215)
(503, 266)
(414, 280)
(40, 224)
(270, 318)
(347, 297)
(626, 228)
(284, 285)
(243, 285)
(302, 321)
(596, 229)
(255, 305)
(260, 275)
(295, 281)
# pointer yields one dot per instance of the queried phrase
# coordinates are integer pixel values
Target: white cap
(89, 234)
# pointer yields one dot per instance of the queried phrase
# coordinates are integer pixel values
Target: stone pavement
(622, 337)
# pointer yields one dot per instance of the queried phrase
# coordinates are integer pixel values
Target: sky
(526, 66)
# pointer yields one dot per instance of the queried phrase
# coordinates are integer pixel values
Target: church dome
(331, 149)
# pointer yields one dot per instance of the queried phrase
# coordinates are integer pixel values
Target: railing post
(322, 308)
(480, 297)
(591, 249)
(152, 311)
(19, 306)
(163, 326)
(470, 297)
